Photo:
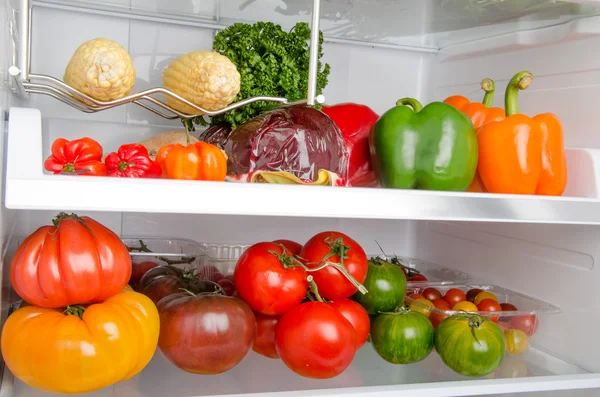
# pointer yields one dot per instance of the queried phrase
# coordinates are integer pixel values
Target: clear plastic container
(528, 317)
(178, 252)
(435, 274)
(223, 257)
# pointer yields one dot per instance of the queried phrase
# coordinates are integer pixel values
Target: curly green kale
(271, 62)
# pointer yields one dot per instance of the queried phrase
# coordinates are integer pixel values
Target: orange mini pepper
(522, 155)
(198, 161)
(480, 114)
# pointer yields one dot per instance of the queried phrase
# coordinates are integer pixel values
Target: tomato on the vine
(315, 340)
(454, 295)
(344, 256)
(292, 246)
(270, 279)
(264, 343)
(357, 316)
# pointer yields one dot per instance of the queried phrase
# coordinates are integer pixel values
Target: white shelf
(368, 376)
(27, 187)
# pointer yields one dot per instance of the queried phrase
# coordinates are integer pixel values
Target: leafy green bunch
(271, 62)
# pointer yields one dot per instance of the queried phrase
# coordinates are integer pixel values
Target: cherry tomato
(465, 306)
(292, 246)
(268, 279)
(358, 317)
(527, 324)
(517, 342)
(432, 294)
(138, 269)
(315, 340)
(264, 343)
(508, 307)
(416, 296)
(417, 278)
(490, 305)
(484, 295)
(228, 286)
(327, 247)
(210, 273)
(435, 317)
(422, 306)
(453, 296)
(472, 293)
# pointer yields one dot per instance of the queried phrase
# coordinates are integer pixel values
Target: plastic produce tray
(435, 274)
(178, 252)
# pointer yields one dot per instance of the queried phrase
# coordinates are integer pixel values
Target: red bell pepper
(80, 156)
(355, 122)
(132, 161)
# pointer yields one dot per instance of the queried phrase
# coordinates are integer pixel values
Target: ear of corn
(102, 69)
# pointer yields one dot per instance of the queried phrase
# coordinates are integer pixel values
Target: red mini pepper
(355, 122)
(132, 161)
(80, 156)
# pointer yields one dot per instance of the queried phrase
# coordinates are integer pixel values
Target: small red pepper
(132, 161)
(80, 156)
(355, 122)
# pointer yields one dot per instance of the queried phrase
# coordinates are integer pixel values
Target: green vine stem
(312, 286)
(75, 310)
(144, 248)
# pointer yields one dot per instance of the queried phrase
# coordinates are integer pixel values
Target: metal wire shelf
(32, 83)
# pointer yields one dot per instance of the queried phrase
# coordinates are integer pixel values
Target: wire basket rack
(32, 83)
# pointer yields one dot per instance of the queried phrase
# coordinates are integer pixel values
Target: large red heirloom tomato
(75, 261)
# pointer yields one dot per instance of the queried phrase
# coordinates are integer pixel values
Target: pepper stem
(489, 87)
(521, 81)
(412, 102)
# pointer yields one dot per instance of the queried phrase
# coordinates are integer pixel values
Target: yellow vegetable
(102, 69)
(205, 78)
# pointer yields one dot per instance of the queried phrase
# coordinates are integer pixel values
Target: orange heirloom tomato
(81, 349)
(76, 261)
(196, 161)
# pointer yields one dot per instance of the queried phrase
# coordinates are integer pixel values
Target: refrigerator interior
(379, 51)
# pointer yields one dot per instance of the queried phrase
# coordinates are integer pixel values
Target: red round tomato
(431, 294)
(454, 296)
(327, 247)
(205, 333)
(138, 269)
(269, 279)
(508, 307)
(264, 343)
(358, 317)
(292, 246)
(435, 317)
(490, 305)
(526, 323)
(315, 340)
(416, 278)
(78, 261)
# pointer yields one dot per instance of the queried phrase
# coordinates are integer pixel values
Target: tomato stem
(187, 291)
(286, 260)
(75, 310)
(314, 289)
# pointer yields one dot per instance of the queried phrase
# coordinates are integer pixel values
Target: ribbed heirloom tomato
(76, 261)
(270, 279)
(315, 340)
(81, 349)
(345, 256)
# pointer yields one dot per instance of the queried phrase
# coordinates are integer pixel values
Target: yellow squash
(58, 352)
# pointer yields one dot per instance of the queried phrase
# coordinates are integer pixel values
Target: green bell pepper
(431, 148)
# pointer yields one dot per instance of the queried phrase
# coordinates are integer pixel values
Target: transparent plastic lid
(435, 274)
(168, 250)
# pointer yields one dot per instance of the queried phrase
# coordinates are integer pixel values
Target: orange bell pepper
(522, 155)
(198, 161)
(479, 113)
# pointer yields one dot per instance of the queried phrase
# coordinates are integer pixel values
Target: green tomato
(386, 284)
(404, 337)
(470, 344)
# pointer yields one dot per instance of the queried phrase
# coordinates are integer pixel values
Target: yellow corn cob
(102, 69)
(205, 78)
